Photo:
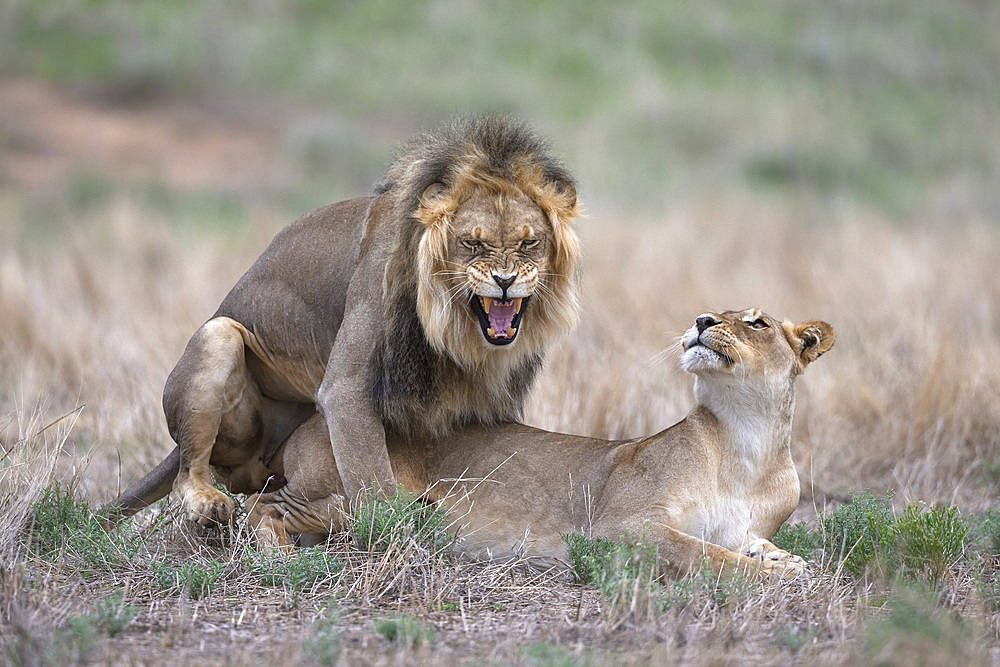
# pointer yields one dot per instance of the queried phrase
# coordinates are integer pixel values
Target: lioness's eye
(528, 243)
(758, 324)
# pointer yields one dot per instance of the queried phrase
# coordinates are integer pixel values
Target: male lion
(421, 308)
(717, 485)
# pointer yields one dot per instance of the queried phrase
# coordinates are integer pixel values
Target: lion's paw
(208, 506)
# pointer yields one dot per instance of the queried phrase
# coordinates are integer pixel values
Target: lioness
(421, 308)
(717, 485)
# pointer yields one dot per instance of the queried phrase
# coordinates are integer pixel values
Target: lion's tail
(155, 485)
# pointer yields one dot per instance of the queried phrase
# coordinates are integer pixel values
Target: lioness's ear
(809, 340)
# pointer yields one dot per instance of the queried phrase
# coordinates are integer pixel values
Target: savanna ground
(828, 160)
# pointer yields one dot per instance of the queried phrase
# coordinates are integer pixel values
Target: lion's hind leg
(213, 411)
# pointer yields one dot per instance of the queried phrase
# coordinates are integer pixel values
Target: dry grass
(91, 321)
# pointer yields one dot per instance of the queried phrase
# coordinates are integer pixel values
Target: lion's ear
(431, 193)
(435, 206)
(810, 339)
(567, 191)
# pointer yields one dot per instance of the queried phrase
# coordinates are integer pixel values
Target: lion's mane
(430, 343)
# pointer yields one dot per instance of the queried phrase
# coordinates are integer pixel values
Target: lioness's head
(749, 343)
(497, 259)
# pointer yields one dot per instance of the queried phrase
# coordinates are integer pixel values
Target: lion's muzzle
(499, 319)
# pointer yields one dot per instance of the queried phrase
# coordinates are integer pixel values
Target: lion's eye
(528, 243)
(472, 244)
(758, 324)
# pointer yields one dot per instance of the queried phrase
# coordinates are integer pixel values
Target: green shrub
(404, 631)
(930, 539)
(589, 557)
(196, 579)
(57, 518)
(798, 538)
(861, 533)
(380, 523)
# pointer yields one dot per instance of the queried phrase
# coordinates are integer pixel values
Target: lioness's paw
(208, 506)
(774, 560)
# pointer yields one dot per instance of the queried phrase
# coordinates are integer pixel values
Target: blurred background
(820, 159)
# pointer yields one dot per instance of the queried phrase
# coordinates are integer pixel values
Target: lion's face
(749, 343)
(496, 268)
(499, 246)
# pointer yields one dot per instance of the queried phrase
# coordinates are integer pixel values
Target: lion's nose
(504, 281)
(704, 322)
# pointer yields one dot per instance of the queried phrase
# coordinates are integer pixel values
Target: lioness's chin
(499, 320)
(698, 357)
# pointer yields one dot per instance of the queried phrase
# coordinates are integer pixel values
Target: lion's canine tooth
(511, 331)
(492, 332)
(487, 302)
(517, 305)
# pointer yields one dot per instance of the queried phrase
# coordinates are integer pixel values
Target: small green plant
(379, 523)
(111, 616)
(861, 533)
(550, 655)
(985, 530)
(195, 579)
(794, 638)
(76, 642)
(404, 631)
(299, 571)
(798, 538)
(324, 646)
(918, 631)
(988, 587)
(930, 539)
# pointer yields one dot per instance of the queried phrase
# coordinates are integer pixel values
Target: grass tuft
(195, 579)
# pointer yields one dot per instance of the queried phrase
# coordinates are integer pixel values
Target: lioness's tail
(155, 485)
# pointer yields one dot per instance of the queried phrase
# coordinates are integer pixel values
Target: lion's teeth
(492, 332)
(517, 305)
(487, 302)
(511, 331)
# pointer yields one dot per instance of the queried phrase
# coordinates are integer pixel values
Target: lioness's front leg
(685, 553)
(213, 413)
(766, 552)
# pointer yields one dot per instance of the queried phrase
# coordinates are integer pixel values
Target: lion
(716, 485)
(424, 307)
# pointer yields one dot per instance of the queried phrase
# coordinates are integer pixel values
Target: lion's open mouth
(498, 319)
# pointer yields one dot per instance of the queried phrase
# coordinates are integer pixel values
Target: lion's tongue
(501, 315)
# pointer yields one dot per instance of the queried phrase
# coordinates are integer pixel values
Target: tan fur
(716, 485)
(364, 311)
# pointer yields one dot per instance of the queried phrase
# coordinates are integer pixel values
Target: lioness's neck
(755, 418)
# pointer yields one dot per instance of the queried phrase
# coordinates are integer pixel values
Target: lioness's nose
(704, 322)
